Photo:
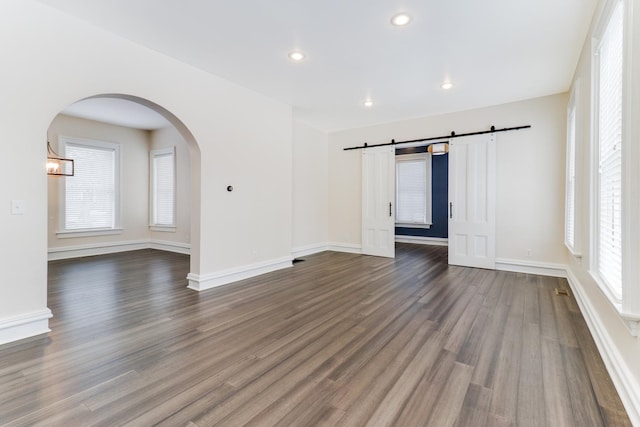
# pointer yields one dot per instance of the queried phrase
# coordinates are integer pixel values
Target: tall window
(609, 60)
(91, 196)
(163, 187)
(413, 190)
(570, 205)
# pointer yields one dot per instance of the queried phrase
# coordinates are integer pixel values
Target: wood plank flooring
(337, 340)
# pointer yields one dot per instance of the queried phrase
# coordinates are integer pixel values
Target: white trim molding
(627, 386)
(421, 240)
(24, 325)
(165, 245)
(72, 234)
(344, 247)
(201, 282)
(531, 267)
(67, 252)
(632, 324)
(163, 228)
(305, 250)
(78, 251)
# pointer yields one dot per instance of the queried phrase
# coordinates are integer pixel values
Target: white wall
(169, 137)
(620, 350)
(530, 163)
(50, 60)
(134, 150)
(310, 188)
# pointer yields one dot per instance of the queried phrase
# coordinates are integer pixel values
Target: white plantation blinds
(570, 220)
(90, 195)
(163, 187)
(413, 189)
(609, 109)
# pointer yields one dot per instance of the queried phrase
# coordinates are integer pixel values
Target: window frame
(572, 151)
(427, 158)
(628, 305)
(153, 154)
(605, 20)
(62, 231)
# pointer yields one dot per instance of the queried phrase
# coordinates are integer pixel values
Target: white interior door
(378, 191)
(472, 201)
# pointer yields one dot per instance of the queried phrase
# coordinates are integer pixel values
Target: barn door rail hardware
(440, 138)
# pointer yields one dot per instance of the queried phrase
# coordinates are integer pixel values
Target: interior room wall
(530, 164)
(242, 138)
(170, 137)
(620, 350)
(310, 188)
(134, 168)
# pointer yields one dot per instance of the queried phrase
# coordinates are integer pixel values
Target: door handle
(450, 210)
(390, 209)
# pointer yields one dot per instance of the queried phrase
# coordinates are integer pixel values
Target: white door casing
(378, 197)
(472, 201)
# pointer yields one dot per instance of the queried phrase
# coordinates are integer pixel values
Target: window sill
(404, 225)
(573, 251)
(68, 234)
(163, 228)
(630, 320)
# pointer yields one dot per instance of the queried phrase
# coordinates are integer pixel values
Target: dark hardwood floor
(337, 340)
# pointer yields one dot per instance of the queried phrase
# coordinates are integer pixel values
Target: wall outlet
(528, 252)
(18, 207)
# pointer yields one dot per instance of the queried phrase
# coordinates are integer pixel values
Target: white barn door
(472, 201)
(378, 198)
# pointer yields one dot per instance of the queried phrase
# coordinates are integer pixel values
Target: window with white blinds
(570, 208)
(413, 190)
(609, 149)
(91, 195)
(163, 187)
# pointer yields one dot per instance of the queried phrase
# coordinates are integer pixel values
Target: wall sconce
(58, 166)
(438, 149)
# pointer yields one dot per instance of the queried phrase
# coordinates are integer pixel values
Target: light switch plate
(17, 207)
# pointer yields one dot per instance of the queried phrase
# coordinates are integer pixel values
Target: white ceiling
(495, 51)
(117, 112)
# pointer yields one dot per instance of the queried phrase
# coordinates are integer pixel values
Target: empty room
(330, 213)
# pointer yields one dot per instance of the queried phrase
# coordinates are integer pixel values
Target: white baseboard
(531, 267)
(67, 252)
(344, 247)
(421, 240)
(77, 251)
(24, 325)
(165, 245)
(301, 251)
(201, 282)
(628, 388)
(357, 249)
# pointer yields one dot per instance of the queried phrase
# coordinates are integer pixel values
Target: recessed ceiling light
(368, 103)
(401, 19)
(296, 56)
(446, 85)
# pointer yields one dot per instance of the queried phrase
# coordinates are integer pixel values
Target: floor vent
(561, 291)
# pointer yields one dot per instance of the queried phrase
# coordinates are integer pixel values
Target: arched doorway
(132, 226)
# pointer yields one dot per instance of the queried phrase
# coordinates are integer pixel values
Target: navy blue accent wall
(439, 194)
